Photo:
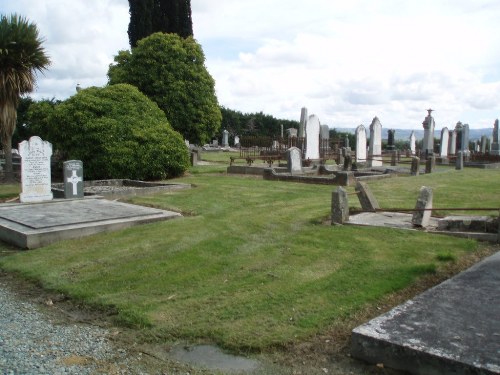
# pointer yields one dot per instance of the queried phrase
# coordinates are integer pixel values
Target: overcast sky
(345, 60)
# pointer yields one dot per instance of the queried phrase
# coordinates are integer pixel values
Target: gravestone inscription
(35, 170)
(73, 179)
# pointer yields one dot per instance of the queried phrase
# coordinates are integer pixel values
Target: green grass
(9, 191)
(252, 265)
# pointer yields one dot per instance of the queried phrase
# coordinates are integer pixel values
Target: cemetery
(58, 224)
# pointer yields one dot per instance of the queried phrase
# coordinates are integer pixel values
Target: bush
(118, 133)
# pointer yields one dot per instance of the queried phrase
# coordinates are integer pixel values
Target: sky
(345, 61)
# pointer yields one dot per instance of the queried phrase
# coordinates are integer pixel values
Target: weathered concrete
(34, 225)
(340, 206)
(366, 198)
(422, 216)
(452, 328)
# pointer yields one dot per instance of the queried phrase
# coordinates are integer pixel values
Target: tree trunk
(8, 118)
(7, 149)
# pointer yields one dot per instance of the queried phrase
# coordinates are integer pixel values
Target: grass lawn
(252, 265)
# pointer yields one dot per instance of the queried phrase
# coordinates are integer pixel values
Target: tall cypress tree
(150, 16)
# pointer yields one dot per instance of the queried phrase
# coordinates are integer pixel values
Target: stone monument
(312, 138)
(413, 142)
(390, 140)
(225, 138)
(495, 144)
(73, 179)
(452, 142)
(303, 122)
(294, 160)
(360, 144)
(429, 124)
(375, 154)
(35, 170)
(443, 147)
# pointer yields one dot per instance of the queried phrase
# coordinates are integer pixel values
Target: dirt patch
(325, 353)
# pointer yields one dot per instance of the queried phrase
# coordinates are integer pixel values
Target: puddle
(212, 358)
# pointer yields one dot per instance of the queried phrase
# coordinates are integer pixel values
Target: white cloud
(347, 61)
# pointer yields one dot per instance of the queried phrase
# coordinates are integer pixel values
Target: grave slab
(34, 225)
(452, 328)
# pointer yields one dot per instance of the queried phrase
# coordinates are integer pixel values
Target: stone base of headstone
(366, 197)
(415, 166)
(340, 206)
(422, 215)
(443, 160)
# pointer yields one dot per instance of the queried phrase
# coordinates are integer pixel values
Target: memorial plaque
(35, 170)
(73, 179)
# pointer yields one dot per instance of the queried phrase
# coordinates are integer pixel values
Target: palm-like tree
(21, 57)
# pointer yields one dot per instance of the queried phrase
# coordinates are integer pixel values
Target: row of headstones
(452, 142)
(36, 181)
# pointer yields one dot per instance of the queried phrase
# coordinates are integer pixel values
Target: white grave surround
(312, 137)
(376, 143)
(35, 170)
(360, 144)
(443, 148)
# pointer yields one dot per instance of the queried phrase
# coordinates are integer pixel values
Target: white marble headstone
(294, 160)
(376, 143)
(360, 144)
(312, 137)
(413, 143)
(443, 148)
(35, 170)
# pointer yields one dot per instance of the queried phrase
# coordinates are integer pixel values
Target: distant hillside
(404, 134)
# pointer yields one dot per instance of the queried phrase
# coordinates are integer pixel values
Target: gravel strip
(31, 344)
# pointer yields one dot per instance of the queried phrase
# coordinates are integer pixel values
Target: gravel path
(32, 344)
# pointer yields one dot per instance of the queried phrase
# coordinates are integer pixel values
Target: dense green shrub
(171, 71)
(118, 133)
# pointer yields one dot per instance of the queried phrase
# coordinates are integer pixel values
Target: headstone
(443, 148)
(413, 141)
(194, 158)
(390, 139)
(225, 138)
(429, 124)
(324, 132)
(312, 138)
(346, 142)
(294, 160)
(187, 143)
(291, 132)
(360, 144)
(460, 161)
(281, 126)
(35, 170)
(415, 166)
(375, 154)
(73, 179)
(340, 206)
(495, 143)
(484, 143)
(452, 142)
(347, 163)
(236, 140)
(394, 158)
(430, 164)
(422, 215)
(366, 197)
(303, 122)
(215, 143)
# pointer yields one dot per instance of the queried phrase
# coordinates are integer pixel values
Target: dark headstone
(415, 166)
(460, 161)
(73, 179)
(340, 206)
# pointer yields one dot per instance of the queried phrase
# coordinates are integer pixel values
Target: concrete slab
(453, 328)
(34, 225)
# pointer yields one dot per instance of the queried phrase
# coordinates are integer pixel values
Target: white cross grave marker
(74, 179)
